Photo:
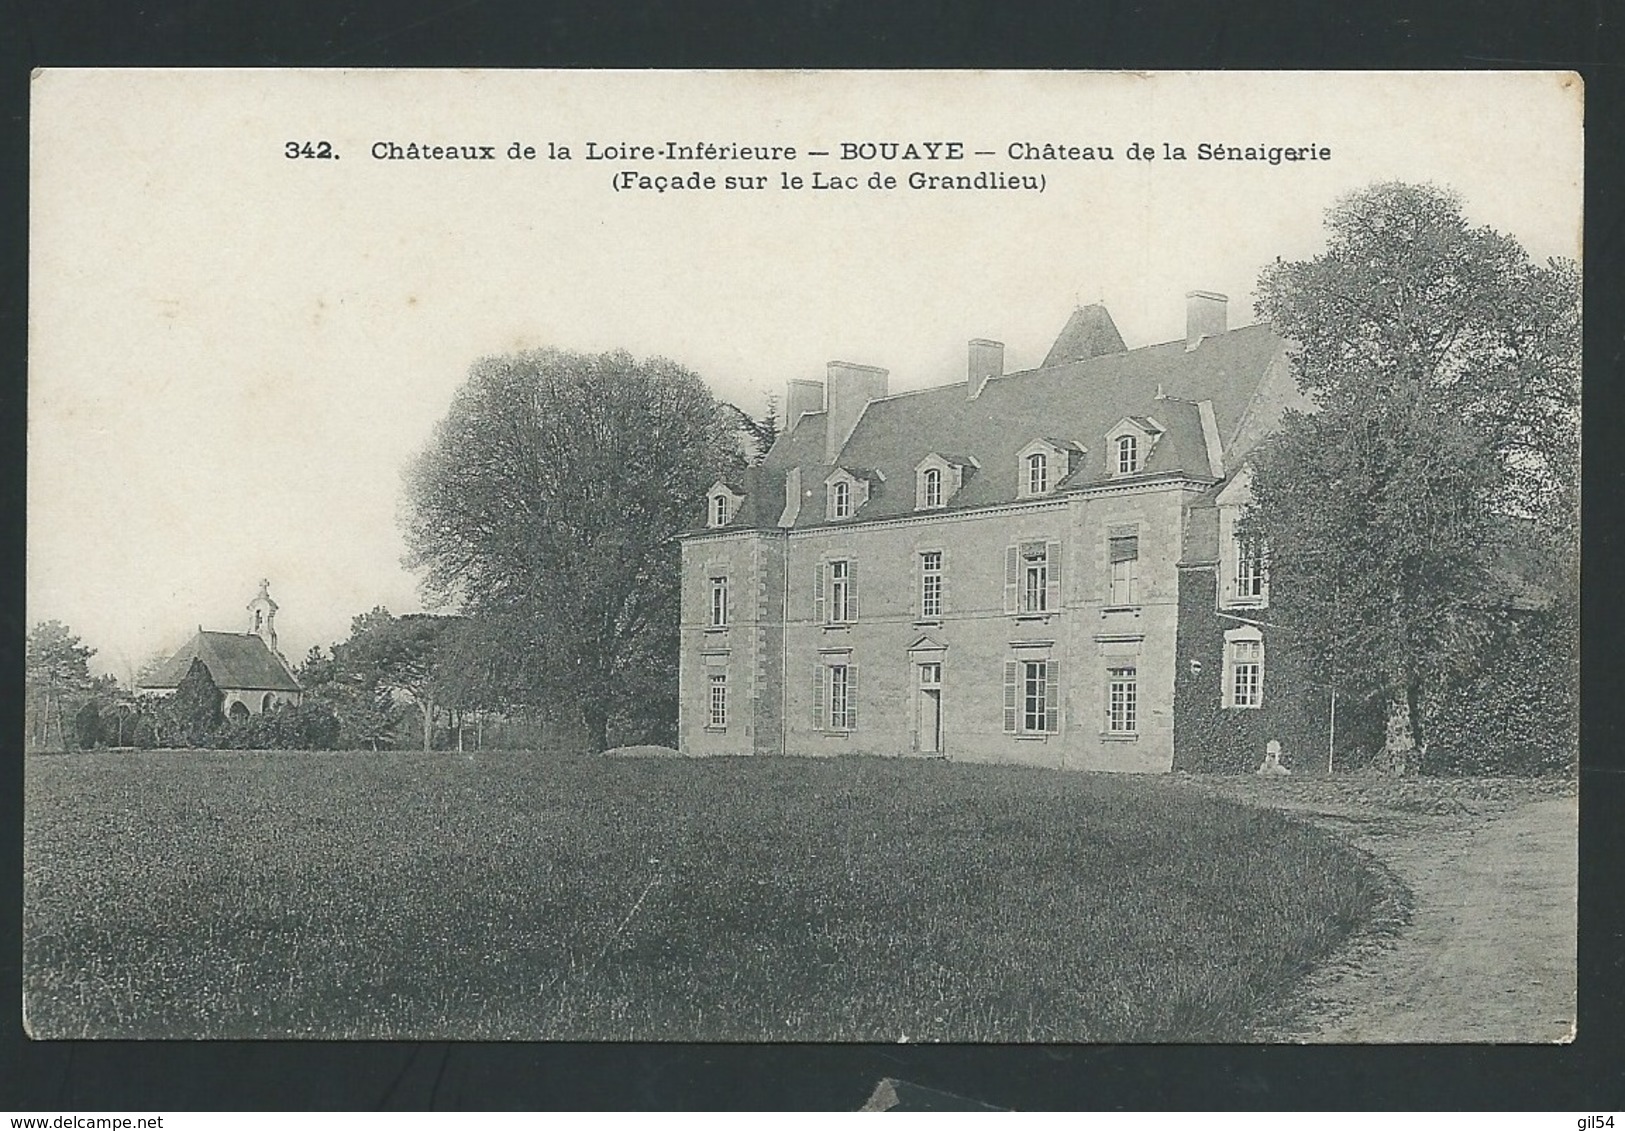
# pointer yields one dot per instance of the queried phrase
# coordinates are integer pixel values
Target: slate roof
(1074, 402)
(236, 661)
(1090, 332)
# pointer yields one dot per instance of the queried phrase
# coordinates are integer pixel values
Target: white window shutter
(1052, 696)
(942, 584)
(852, 695)
(1012, 677)
(919, 585)
(851, 591)
(1052, 570)
(819, 688)
(1012, 576)
(727, 600)
(818, 593)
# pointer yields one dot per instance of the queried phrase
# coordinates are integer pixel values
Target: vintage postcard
(803, 556)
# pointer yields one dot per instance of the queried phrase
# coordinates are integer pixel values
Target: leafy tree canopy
(1445, 365)
(548, 501)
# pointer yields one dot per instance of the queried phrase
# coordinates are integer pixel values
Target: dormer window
(937, 478)
(1128, 455)
(722, 503)
(1043, 464)
(1037, 473)
(846, 491)
(1129, 445)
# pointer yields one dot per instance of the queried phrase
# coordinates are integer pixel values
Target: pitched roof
(236, 661)
(1090, 332)
(1076, 402)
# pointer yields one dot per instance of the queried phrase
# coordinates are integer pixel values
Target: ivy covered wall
(1212, 738)
(1517, 714)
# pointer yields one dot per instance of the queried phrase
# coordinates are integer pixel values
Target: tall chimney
(986, 360)
(847, 392)
(1205, 316)
(800, 397)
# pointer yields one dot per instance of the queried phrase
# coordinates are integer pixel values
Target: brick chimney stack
(1206, 315)
(800, 397)
(986, 360)
(848, 390)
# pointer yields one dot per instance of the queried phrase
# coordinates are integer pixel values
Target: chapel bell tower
(262, 617)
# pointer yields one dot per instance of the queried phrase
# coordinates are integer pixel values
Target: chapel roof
(237, 661)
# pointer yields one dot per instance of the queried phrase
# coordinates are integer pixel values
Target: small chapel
(246, 666)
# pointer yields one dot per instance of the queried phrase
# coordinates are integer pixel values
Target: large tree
(401, 655)
(1444, 363)
(549, 497)
(57, 677)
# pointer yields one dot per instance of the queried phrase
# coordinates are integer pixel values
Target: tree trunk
(1399, 737)
(428, 725)
(596, 716)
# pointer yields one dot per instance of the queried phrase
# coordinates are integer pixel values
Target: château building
(1019, 567)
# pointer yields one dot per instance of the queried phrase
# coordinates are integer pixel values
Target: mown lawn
(402, 895)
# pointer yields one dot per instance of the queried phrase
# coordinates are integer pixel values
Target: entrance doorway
(930, 708)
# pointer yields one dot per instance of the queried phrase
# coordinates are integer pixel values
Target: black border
(1587, 1075)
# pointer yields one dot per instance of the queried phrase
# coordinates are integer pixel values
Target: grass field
(403, 895)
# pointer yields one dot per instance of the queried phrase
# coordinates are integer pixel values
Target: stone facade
(999, 611)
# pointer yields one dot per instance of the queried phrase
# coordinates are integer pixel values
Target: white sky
(233, 354)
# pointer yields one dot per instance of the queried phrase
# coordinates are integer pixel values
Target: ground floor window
(1244, 667)
(1032, 700)
(1122, 701)
(719, 703)
(835, 695)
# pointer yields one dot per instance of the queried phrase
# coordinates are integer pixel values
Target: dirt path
(1489, 952)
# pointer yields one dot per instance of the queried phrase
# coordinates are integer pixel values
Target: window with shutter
(820, 688)
(852, 695)
(818, 594)
(1052, 590)
(1012, 674)
(1052, 696)
(840, 592)
(1012, 577)
(1035, 573)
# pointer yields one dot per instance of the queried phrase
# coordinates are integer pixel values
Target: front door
(930, 708)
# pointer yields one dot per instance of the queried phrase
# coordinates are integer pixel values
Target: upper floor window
(1125, 562)
(1128, 455)
(1037, 473)
(1251, 575)
(835, 592)
(931, 488)
(840, 500)
(1032, 578)
(719, 510)
(719, 602)
(931, 584)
